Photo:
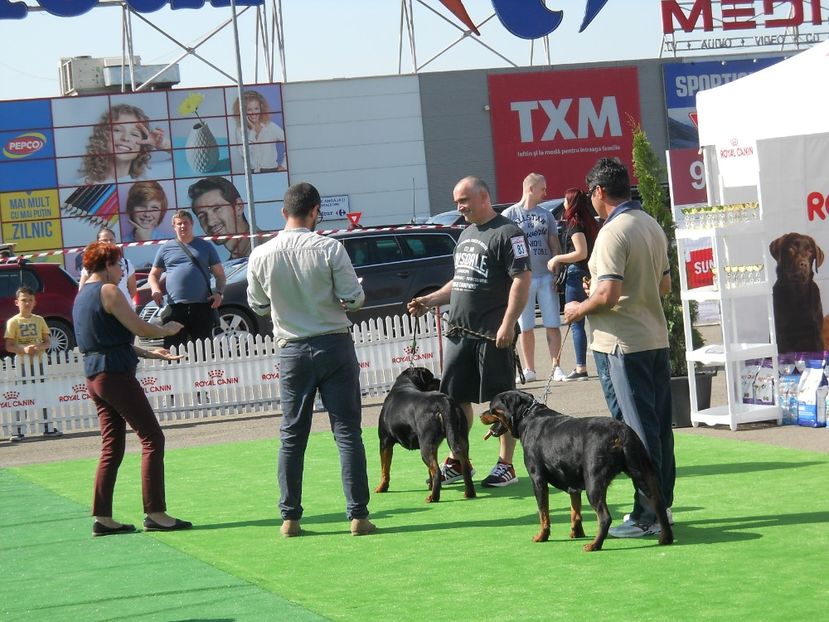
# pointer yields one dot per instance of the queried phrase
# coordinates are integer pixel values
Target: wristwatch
(220, 292)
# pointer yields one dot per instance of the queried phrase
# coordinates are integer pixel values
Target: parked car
(395, 264)
(54, 289)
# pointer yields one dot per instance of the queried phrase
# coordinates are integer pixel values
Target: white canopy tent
(766, 137)
(786, 99)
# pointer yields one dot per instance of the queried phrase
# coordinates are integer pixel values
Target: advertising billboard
(71, 165)
(558, 123)
(682, 83)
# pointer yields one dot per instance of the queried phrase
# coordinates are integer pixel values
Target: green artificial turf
(752, 543)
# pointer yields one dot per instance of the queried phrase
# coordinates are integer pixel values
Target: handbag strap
(197, 264)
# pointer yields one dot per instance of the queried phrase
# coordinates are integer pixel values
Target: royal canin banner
(558, 123)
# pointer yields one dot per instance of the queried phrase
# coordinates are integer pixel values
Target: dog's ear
(775, 247)
(817, 252)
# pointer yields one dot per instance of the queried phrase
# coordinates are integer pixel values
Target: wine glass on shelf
(800, 362)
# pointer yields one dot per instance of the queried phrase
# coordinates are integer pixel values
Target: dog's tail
(455, 427)
(641, 471)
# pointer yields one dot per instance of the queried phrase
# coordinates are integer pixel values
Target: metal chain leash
(547, 390)
(457, 327)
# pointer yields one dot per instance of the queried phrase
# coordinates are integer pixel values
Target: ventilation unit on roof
(84, 75)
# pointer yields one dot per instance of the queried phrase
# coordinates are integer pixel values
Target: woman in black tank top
(105, 326)
(580, 234)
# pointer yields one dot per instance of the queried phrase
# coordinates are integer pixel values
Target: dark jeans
(637, 389)
(327, 363)
(197, 318)
(574, 290)
(120, 400)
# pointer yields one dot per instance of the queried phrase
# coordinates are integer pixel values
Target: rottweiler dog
(575, 454)
(417, 416)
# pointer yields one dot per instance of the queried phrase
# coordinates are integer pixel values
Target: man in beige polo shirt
(629, 273)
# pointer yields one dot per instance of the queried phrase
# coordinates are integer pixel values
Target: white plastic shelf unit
(731, 352)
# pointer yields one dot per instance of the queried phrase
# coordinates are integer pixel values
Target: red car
(54, 289)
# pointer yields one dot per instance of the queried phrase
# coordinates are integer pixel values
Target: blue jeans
(574, 290)
(327, 363)
(637, 389)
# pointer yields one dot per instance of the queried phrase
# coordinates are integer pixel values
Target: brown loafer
(362, 527)
(290, 528)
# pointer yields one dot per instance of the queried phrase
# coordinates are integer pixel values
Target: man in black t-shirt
(487, 294)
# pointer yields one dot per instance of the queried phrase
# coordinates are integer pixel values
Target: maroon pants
(120, 401)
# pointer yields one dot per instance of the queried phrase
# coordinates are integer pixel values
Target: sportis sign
(559, 123)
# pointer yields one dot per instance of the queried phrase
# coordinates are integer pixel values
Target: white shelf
(748, 238)
(752, 227)
(708, 293)
(715, 354)
(735, 414)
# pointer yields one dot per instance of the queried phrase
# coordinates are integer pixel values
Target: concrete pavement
(579, 399)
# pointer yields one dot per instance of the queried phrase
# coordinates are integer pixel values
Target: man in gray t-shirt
(540, 227)
(487, 293)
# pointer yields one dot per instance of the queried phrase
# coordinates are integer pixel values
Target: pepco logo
(24, 145)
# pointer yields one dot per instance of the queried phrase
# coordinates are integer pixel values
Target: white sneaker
(529, 376)
(626, 517)
(559, 375)
(632, 529)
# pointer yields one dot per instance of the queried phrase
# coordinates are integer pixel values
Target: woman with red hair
(105, 327)
(579, 237)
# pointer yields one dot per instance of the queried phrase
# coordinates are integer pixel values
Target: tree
(649, 171)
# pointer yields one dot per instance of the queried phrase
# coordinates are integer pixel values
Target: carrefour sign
(72, 8)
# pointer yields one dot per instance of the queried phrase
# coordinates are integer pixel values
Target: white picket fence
(218, 377)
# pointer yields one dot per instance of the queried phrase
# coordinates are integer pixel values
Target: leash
(457, 327)
(558, 358)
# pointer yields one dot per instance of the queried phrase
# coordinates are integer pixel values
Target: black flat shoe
(99, 529)
(151, 525)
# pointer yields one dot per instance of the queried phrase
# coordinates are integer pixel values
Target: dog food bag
(764, 392)
(787, 397)
(747, 376)
(811, 396)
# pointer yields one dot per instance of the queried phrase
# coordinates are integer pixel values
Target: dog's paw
(541, 536)
(470, 494)
(592, 546)
(577, 532)
(432, 498)
(383, 487)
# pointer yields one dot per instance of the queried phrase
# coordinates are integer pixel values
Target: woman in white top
(263, 134)
(127, 283)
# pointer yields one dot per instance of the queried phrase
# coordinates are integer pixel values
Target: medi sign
(738, 14)
(72, 8)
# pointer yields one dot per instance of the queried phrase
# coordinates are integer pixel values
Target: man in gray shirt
(307, 283)
(541, 229)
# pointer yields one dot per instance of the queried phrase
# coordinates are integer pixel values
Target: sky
(324, 39)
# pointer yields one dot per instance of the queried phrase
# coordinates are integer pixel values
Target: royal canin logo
(216, 377)
(148, 381)
(24, 145)
(11, 395)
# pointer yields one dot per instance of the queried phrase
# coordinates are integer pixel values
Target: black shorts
(197, 318)
(474, 370)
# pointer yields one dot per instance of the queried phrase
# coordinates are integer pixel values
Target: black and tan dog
(417, 416)
(575, 454)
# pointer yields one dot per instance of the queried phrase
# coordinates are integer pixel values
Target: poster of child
(260, 112)
(121, 144)
(144, 207)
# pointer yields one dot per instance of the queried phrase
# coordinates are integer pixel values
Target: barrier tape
(222, 238)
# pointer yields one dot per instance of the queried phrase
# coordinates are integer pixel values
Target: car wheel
(63, 337)
(234, 323)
